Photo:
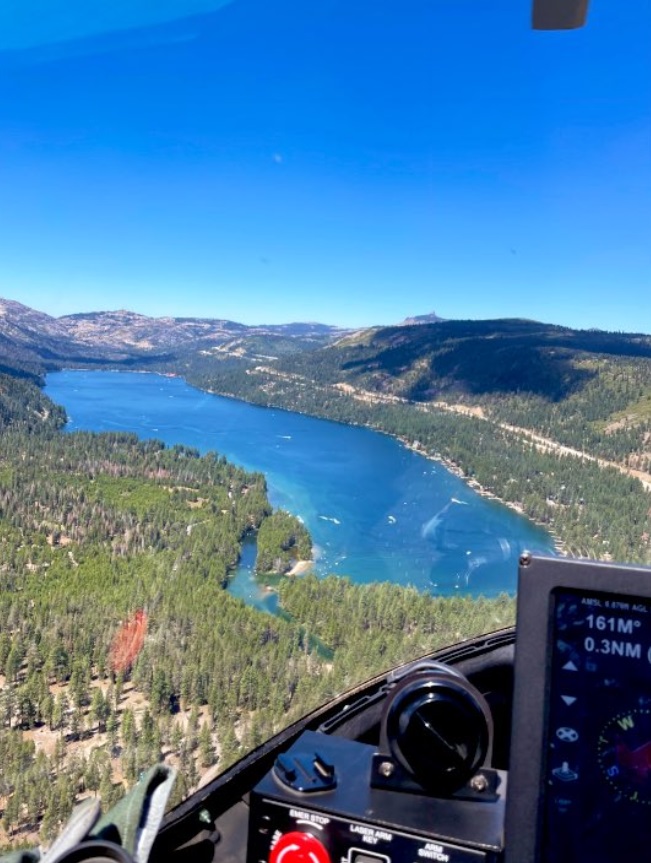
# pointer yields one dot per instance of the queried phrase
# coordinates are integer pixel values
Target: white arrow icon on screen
(568, 699)
(570, 666)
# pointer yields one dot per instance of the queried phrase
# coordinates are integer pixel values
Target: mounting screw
(479, 783)
(525, 558)
(205, 817)
(386, 769)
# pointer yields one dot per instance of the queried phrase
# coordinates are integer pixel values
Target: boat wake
(329, 518)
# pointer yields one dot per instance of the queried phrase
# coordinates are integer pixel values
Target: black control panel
(424, 792)
(353, 822)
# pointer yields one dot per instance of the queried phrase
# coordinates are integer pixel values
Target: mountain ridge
(432, 359)
(34, 340)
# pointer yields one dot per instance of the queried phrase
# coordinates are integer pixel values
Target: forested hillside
(23, 404)
(119, 645)
(584, 389)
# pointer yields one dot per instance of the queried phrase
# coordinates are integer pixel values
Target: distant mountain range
(128, 330)
(36, 341)
(423, 358)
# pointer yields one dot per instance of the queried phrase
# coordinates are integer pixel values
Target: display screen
(597, 775)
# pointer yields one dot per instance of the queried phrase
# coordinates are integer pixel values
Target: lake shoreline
(452, 467)
(352, 488)
(300, 567)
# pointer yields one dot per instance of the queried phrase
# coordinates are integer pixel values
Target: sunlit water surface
(376, 510)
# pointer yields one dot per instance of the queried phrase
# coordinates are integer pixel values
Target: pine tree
(206, 748)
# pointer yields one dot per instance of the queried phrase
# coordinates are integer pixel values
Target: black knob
(437, 728)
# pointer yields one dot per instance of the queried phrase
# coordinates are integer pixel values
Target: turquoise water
(376, 510)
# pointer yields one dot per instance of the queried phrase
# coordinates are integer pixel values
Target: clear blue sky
(347, 162)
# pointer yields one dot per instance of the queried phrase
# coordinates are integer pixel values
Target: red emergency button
(298, 847)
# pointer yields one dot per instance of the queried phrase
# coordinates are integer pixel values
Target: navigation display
(597, 773)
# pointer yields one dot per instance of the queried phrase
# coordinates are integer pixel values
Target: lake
(375, 509)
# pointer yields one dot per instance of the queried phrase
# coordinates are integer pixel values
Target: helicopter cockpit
(527, 745)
